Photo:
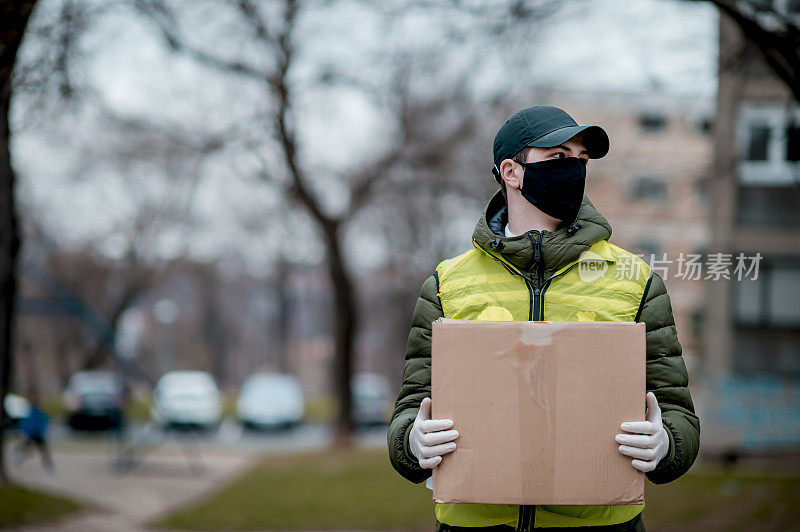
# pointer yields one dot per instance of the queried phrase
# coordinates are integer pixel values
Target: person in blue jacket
(34, 432)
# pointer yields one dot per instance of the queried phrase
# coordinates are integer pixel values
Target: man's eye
(558, 155)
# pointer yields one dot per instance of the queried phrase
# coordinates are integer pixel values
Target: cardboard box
(537, 406)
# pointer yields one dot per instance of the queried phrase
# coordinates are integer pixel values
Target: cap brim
(594, 138)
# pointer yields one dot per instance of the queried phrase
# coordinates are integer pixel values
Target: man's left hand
(647, 441)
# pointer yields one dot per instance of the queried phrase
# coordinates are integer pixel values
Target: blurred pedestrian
(533, 232)
(34, 434)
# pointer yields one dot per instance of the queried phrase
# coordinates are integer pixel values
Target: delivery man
(529, 245)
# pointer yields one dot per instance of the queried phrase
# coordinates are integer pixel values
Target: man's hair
(520, 157)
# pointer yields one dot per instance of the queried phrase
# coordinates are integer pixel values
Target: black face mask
(555, 186)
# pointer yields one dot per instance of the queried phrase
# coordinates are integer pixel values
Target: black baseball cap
(544, 126)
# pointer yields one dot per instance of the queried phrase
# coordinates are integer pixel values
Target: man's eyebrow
(565, 148)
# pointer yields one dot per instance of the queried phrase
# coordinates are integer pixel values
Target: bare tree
(52, 95)
(422, 129)
(278, 44)
(773, 31)
(127, 149)
(262, 45)
(174, 157)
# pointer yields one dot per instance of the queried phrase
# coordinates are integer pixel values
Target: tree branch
(364, 182)
(299, 187)
(166, 23)
(780, 49)
(252, 15)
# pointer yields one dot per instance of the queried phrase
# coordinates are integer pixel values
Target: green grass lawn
(19, 506)
(359, 490)
(334, 490)
(709, 498)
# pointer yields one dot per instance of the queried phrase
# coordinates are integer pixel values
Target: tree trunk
(214, 334)
(14, 15)
(283, 322)
(345, 323)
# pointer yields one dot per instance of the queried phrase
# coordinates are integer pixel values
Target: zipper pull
(572, 229)
(537, 248)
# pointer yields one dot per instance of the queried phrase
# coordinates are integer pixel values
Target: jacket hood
(559, 247)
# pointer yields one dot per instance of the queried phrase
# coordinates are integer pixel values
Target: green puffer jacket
(666, 372)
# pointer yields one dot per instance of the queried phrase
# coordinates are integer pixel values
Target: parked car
(187, 400)
(16, 408)
(94, 401)
(371, 399)
(270, 401)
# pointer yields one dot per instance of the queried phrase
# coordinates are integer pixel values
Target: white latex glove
(649, 442)
(429, 438)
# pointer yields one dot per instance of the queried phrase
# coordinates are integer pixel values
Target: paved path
(126, 502)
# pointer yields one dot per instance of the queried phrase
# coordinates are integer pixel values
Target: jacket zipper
(527, 512)
(539, 286)
(524, 519)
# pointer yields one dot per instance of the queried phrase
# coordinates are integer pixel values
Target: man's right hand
(429, 438)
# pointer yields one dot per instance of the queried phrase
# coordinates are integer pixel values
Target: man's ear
(511, 173)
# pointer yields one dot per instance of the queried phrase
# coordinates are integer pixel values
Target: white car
(270, 401)
(371, 399)
(187, 399)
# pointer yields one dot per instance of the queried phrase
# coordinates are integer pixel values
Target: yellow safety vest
(606, 283)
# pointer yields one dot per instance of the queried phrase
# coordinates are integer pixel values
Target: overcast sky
(668, 46)
(636, 45)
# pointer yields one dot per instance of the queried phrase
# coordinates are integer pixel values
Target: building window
(652, 122)
(768, 138)
(648, 188)
(705, 126)
(769, 300)
(768, 206)
(758, 142)
(793, 142)
(766, 320)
